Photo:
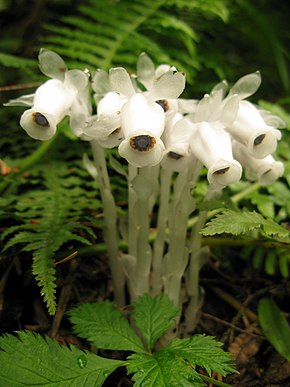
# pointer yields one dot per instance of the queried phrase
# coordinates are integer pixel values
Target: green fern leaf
(105, 327)
(50, 219)
(163, 369)
(154, 316)
(203, 351)
(233, 222)
(16, 62)
(35, 361)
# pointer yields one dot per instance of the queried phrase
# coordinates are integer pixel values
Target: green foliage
(50, 216)
(40, 361)
(153, 316)
(105, 327)
(109, 33)
(174, 365)
(271, 260)
(14, 61)
(32, 360)
(274, 326)
(235, 223)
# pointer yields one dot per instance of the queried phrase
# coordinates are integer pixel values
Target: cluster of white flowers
(143, 115)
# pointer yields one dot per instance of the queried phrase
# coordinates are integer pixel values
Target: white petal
(264, 142)
(177, 157)
(80, 112)
(203, 111)
(145, 70)
(267, 170)
(141, 115)
(230, 110)
(186, 106)
(213, 148)
(222, 86)
(54, 98)
(38, 124)
(162, 69)
(247, 85)
(51, 64)
(250, 129)
(120, 81)
(24, 100)
(111, 104)
(224, 172)
(272, 120)
(101, 83)
(169, 85)
(141, 159)
(76, 79)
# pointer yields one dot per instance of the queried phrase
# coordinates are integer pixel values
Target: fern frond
(14, 61)
(51, 217)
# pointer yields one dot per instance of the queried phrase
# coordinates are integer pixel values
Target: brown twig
(20, 87)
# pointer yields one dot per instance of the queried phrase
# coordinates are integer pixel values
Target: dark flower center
(174, 155)
(259, 139)
(142, 143)
(221, 171)
(164, 104)
(40, 119)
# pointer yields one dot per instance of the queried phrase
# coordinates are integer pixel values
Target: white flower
(53, 100)
(266, 170)
(212, 146)
(250, 129)
(163, 84)
(176, 138)
(105, 127)
(51, 103)
(142, 123)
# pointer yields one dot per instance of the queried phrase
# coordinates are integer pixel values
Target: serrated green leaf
(203, 351)
(154, 316)
(105, 327)
(32, 360)
(233, 222)
(163, 369)
(274, 326)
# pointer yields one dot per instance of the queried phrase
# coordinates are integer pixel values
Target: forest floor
(228, 312)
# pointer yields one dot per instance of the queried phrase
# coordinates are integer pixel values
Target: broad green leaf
(153, 316)
(163, 369)
(234, 222)
(32, 360)
(105, 327)
(274, 326)
(203, 351)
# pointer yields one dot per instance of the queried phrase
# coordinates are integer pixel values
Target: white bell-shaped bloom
(51, 103)
(176, 138)
(212, 146)
(163, 84)
(250, 129)
(105, 127)
(266, 170)
(142, 122)
(55, 98)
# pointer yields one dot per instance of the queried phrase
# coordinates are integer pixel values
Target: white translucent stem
(175, 260)
(192, 280)
(162, 221)
(132, 219)
(111, 236)
(141, 273)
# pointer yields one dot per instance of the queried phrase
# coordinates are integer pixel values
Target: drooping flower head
(266, 170)
(213, 148)
(142, 122)
(53, 100)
